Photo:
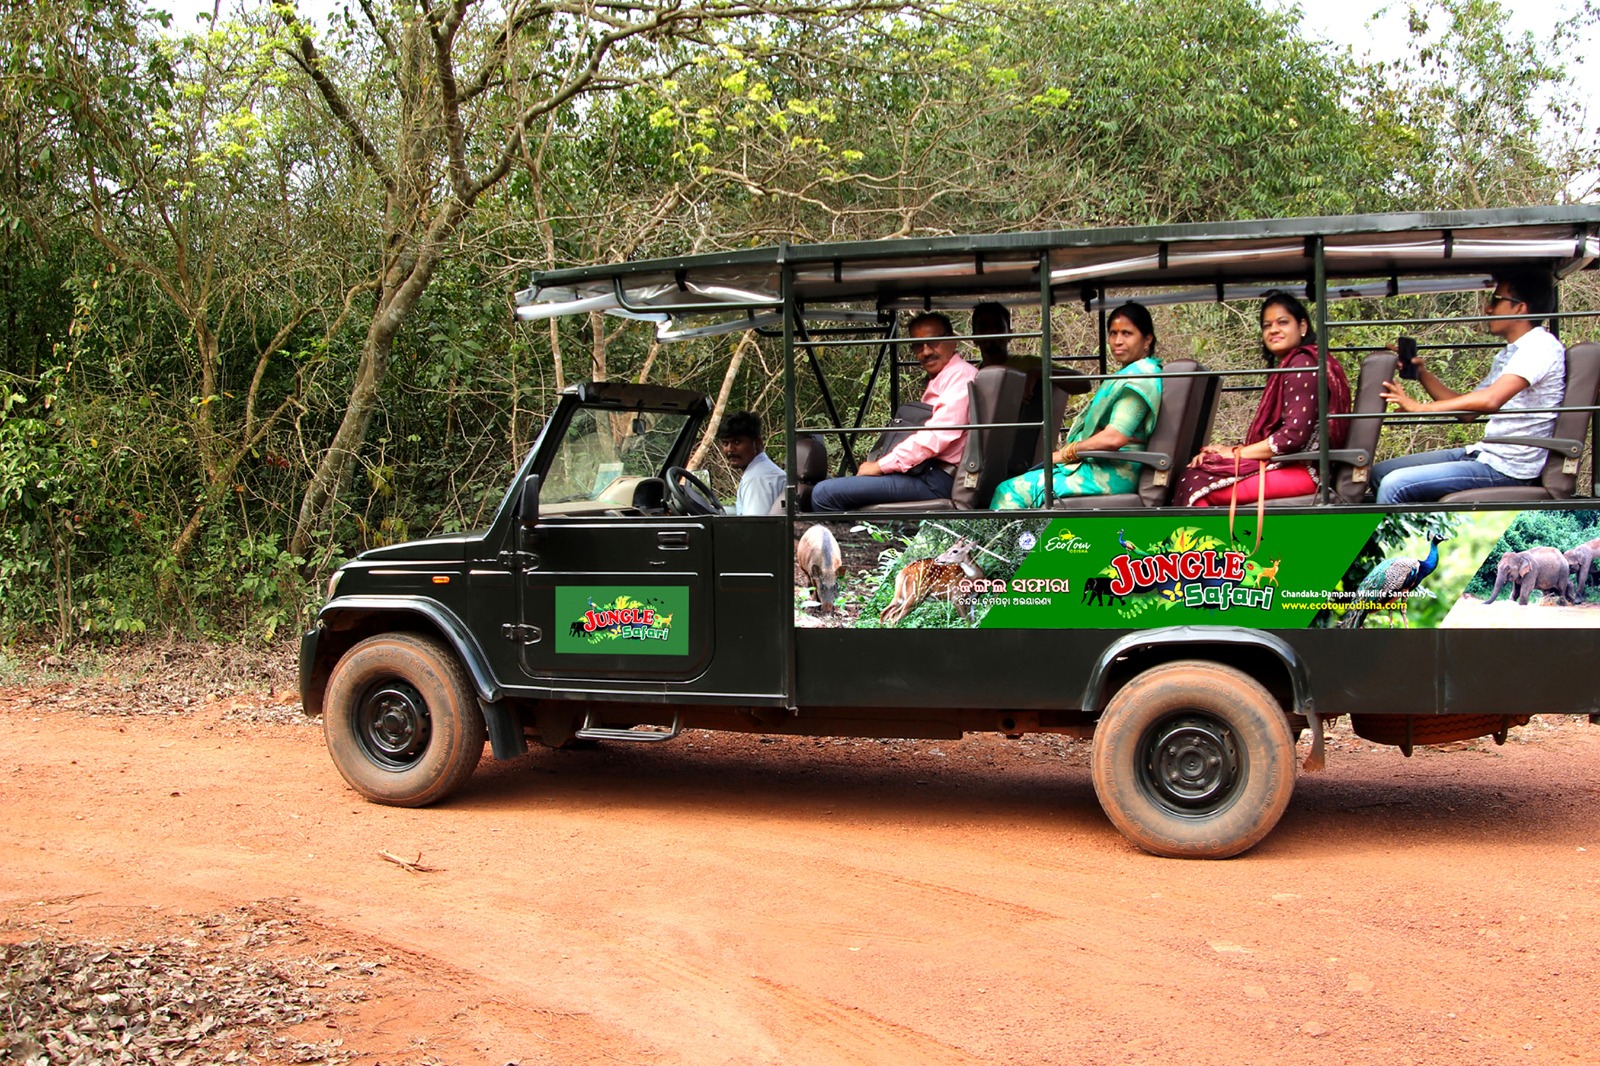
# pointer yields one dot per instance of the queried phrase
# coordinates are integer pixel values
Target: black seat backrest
(1032, 449)
(1181, 422)
(995, 395)
(1560, 474)
(810, 467)
(1350, 478)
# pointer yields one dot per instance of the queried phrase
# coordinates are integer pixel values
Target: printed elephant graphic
(1581, 560)
(1096, 589)
(1544, 569)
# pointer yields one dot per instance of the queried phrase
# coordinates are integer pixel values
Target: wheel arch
(1264, 656)
(345, 622)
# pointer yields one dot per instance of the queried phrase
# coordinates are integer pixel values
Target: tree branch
(310, 61)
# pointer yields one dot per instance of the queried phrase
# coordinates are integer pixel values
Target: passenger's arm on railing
(1127, 415)
(1107, 440)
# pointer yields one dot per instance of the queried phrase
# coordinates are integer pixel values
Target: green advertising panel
(1336, 568)
(622, 620)
(1182, 569)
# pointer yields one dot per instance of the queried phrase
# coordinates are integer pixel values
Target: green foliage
(1474, 536)
(1482, 112)
(1177, 111)
(191, 252)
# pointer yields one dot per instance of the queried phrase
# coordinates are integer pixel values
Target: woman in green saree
(1120, 414)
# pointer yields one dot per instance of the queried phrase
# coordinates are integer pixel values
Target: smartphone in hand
(1407, 347)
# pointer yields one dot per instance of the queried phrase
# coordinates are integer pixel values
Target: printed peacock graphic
(1390, 583)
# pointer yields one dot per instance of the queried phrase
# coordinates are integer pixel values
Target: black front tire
(402, 721)
(1194, 759)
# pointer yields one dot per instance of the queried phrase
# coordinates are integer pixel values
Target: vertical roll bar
(1319, 286)
(1102, 329)
(786, 289)
(1047, 382)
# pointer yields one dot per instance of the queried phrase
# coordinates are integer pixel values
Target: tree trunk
(338, 462)
(403, 285)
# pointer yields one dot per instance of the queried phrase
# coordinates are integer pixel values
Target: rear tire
(1194, 759)
(402, 721)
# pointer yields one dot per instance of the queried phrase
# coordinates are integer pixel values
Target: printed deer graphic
(1268, 573)
(937, 578)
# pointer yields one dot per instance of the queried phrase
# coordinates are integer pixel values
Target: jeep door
(611, 586)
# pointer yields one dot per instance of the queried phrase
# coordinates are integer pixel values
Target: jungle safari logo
(1192, 571)
(624, 618)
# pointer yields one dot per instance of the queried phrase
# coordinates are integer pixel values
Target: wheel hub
(394, 725)
(1191, 764)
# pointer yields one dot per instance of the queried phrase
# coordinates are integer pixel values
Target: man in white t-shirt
(1529, 372)
(762, 481)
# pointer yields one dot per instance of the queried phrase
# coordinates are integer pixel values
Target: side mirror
(528, 501)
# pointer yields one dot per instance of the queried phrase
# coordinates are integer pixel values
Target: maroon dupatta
(1269, 414)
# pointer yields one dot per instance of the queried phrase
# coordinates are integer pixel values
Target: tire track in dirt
(850, 1035)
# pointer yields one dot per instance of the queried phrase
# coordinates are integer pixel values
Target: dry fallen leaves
(183, 1001)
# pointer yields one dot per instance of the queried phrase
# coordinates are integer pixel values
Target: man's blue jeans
(853, 493)
(1431, 475)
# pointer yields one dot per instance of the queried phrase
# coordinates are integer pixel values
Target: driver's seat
(810, 467)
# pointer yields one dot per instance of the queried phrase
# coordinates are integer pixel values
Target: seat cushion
(913, 505)
(1500, 494)
(1097, 503)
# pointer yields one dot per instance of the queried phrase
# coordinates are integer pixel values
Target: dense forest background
(256, 275)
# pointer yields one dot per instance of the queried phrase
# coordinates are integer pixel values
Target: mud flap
(1317, 758)
(505, 731)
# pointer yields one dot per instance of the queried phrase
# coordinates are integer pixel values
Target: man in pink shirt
(923, 466)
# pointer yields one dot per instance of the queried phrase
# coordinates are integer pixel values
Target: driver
(761, 481)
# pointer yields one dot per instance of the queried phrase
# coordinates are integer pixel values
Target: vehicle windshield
(603, 446)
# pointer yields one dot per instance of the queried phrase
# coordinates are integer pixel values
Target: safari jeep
(613, 599)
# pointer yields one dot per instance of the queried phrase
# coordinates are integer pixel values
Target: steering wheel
(687, 494)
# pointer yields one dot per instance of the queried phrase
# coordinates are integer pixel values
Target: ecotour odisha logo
(1067, 541)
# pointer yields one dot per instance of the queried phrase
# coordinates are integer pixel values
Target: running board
(592, 730)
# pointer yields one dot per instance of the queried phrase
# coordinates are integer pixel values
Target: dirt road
(730, 900)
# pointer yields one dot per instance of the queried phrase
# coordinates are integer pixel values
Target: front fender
(349, 619)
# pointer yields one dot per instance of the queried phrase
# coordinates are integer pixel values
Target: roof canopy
(1410, 252)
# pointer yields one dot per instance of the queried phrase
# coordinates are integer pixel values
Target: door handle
(673, 540)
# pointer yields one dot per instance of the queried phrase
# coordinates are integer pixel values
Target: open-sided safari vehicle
(612, 598)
